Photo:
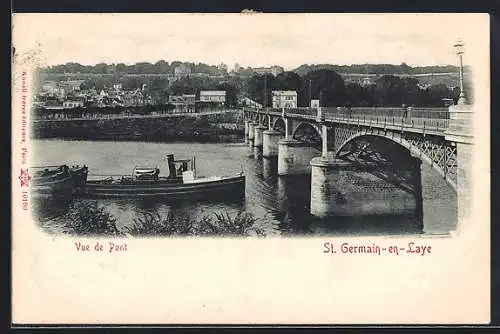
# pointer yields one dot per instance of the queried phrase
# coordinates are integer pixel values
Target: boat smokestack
(171, 166)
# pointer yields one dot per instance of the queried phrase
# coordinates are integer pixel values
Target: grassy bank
(89, 219)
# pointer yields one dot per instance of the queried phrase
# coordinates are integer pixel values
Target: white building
(218, 96)
(183, 103)
(73, 103)
(274, 70)
(284, 99)
(314, 103)
(49, 86)
(182, 71)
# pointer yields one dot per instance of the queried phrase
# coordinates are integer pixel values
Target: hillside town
(190, 88)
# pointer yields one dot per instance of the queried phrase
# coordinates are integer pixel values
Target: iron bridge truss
(440, 153)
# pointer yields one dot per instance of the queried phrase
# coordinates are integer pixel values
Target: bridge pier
(247, 123)
(460, 131)
(294, 157)
(258, 135)
(340, 188)
(446, 144)
(251, 133)
(270, 143)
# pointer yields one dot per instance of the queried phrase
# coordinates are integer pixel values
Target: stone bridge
(349, 151)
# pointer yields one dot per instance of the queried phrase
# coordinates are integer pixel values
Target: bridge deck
(394, 119)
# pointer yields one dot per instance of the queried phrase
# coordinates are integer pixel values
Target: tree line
(164, 67)
(380, 69)
(160, 67)
(331, 89)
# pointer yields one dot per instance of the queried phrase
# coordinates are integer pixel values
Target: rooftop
(213, 92)
(284, 92)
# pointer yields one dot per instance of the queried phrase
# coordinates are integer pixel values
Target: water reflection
(257, 152)
(281, 205)
(368, 225)
(270, 170)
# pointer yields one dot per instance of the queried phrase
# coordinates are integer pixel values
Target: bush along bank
(198, 128)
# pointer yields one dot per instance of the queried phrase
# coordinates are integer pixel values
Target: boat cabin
(179, 171)
(183, 169)
(146, 174)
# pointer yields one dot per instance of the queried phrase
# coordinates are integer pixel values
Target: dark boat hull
(230, 186)
(57, 189)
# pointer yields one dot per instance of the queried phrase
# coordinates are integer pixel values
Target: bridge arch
(308, 133)
(278, 124)
(304, 126)
(414, 151)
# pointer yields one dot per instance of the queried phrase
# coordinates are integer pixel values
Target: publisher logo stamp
(24, 177)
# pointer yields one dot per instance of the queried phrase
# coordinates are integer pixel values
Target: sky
(288, 40)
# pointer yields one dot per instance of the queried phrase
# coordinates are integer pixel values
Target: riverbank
(222, 128)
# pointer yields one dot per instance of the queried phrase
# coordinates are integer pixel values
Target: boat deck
(164, 187)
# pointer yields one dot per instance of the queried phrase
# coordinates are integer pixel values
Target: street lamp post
(265, 92)
(310, 95)
(459, 46)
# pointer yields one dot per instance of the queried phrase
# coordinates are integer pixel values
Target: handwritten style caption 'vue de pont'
(108, 247)
(345, 248)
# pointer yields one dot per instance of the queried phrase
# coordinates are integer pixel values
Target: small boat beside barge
(181, 183)
(57, 182)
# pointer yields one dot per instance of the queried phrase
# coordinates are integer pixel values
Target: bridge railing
(420, 123)
(304, 111)
(433, 119)
(412, 112)
(298, 111)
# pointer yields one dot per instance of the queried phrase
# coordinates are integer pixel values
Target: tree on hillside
(183, 86)
(101, 68)
(330, 84)
(289, 81)
(120, 68)
(292, 81)
(161, 67)
(98, 82)
(190, 85)
(130, 83)
(158, 88)
(389, 91)
(256, 89)
(435, 95)
(359, 96)
(231, 93)
(411, 94)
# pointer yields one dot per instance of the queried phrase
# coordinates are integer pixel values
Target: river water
(279, 204)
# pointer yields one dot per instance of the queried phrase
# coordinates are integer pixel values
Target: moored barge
(57, 182)
(181, 183)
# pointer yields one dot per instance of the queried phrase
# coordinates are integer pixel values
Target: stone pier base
(258, 135)
(270, 143)
(251, 132)
(246, 131)
(294, 157)
(339, 188)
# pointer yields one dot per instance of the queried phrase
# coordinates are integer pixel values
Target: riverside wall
(224, 127)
